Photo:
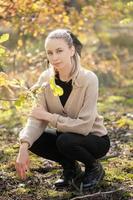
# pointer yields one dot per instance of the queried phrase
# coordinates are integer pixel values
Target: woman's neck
(65, 75)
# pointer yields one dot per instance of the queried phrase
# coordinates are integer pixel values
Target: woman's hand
(40, 113)
(22, 161)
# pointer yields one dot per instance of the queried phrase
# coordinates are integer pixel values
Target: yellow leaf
(3, 79)
(2, 50)
(35, 7)
(80, 23)
(14, 83)
(4, 37)
(20, 101)
(59, 90)
(55, 93)
(20, 43)
(5, 104)
(126, 21)
(35, 34)
(52, 83)
(130, 4)
(66, 19)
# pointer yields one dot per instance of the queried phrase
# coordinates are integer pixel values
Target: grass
(39, 184)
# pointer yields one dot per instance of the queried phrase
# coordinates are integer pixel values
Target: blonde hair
(71, 40)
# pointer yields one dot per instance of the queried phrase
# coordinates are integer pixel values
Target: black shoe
(68, 175)
(93, 176)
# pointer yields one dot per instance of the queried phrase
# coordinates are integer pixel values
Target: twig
(109, 156)
(80, 189)
(97, 194)
(8, 99)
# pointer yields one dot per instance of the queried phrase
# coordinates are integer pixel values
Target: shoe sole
(76, 179)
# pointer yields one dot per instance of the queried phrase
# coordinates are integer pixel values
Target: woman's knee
(64, 142)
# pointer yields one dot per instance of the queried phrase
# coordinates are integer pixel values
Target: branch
(109, 156)
(97, 194)
(8, 99)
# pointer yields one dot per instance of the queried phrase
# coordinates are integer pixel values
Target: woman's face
(59, 53)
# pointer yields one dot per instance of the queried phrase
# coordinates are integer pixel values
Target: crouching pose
(69, 104)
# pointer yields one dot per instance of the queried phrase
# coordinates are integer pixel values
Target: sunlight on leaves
(112, 99)
(5, 104)
(126, 21)
(2, 50)
(57, 90)
(4, 37)
(20, 43)
(3, 79)
(130, 4)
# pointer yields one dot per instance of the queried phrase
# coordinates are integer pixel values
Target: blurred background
(105, 28)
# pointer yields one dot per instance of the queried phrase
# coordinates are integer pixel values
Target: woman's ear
(72, 51)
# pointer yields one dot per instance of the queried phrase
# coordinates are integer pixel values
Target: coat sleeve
(86, 117)
(34, 127)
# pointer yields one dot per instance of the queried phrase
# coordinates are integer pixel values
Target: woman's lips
(56, 63)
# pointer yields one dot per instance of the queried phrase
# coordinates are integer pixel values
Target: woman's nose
(55, 56)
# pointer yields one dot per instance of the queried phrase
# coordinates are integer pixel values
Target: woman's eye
(49, 53)
(59, 51)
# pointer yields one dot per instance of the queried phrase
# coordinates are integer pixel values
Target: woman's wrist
(24, 145)
(49, 117)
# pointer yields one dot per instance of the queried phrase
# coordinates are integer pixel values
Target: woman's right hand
(22, 161)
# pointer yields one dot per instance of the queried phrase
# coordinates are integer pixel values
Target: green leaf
(3, 79)
(126, 21)
(18, 103)
(2, 51)
(130, 4)
(4, 37)
(5, 104)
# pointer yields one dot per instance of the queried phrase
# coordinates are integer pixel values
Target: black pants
(66, 148)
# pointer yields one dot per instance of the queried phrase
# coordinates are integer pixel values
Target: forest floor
(115, 105)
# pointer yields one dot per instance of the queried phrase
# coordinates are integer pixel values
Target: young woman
(78, 133)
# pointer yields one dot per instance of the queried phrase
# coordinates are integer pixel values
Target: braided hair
(69, 37)
(77, 44)
(71, 40)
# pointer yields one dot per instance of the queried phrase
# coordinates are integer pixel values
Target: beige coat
(79, 115)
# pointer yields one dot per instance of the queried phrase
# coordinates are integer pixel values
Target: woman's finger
(17, 167)
(20, 168)
(26, 167)
(22, 172)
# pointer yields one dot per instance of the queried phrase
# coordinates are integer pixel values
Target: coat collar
(76, 78)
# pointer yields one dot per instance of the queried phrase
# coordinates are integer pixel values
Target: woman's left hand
(40, 113)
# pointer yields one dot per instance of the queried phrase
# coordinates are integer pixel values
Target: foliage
(43, 173)
(103, 27)
(26, 22)
(57, 90)
(3, 50)
(25, 97)
(32, 20)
